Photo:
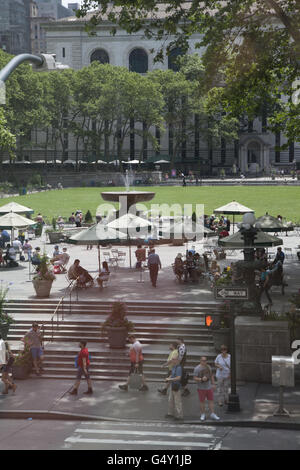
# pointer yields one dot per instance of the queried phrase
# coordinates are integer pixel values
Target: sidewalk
(49, 399)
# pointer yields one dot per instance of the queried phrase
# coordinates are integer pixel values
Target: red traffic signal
(208, 320)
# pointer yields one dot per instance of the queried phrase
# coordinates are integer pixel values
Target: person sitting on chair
(78, 272)
(103, 275)
(61, 260)
(10, 257)
(179, 266)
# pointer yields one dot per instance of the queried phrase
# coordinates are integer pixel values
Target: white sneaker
(202, 417)
(215, 417)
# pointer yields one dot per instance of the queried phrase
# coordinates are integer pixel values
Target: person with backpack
(82, 363)
(174, 399)
(204, 378)
(182, 360)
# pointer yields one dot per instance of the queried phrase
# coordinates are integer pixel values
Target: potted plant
(117, 326)
(5, 319)
(42, 281)
(22, 365)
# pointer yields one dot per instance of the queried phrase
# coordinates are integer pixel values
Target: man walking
(34, 340)
(82, 364)
(136, 363)
(154, 265)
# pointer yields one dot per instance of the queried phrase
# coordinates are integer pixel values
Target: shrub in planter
(42, 281)
(22, 364)
(117, 326)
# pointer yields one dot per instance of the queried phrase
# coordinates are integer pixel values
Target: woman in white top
(222, 364)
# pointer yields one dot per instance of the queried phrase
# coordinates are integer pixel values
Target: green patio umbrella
(263, 240)
(98, 234)
(268, 223)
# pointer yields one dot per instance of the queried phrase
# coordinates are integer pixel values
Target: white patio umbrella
(133, 162)
(234, 208)
(161, 161)
(128, 224)
(69, 162)
(16, 208)
(13, 221)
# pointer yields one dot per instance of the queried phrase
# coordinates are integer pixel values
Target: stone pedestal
(256, 342)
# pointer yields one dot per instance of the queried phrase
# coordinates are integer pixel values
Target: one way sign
(231, 293)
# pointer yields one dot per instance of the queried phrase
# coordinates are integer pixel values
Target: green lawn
(274, 200)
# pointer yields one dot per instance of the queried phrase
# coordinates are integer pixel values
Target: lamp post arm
(16, 61)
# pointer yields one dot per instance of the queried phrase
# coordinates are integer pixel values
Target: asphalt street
(138, 436)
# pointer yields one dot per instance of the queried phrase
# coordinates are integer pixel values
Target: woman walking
(222, 364)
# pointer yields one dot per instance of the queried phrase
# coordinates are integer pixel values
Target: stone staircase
(157, 324)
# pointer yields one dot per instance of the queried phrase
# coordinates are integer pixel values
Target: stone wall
(256, 342)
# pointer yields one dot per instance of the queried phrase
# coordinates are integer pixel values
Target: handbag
(135, 380)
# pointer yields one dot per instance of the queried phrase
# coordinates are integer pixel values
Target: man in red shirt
(82, 364)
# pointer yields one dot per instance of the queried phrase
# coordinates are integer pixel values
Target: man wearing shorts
(136, 363)
(34, 339)
(204, 378)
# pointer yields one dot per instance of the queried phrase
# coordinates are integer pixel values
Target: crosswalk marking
(136, 435)
(75, 440)
(145, 433)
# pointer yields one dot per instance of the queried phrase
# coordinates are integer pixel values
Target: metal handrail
(71, 286)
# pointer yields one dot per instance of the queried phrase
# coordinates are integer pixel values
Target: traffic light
(208, 320)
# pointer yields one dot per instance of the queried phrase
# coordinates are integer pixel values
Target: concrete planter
(20, 372)
(117, 337)
(42, 287)
(55, 237)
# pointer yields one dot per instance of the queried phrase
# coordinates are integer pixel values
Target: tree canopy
(251, 46)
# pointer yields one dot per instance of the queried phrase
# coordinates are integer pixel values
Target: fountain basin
(132, 197)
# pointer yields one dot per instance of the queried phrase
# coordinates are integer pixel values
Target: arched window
(101, 56)
(173, 55)
(138, 61)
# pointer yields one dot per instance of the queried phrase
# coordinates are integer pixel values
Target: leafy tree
(252, 45)
(7, 139)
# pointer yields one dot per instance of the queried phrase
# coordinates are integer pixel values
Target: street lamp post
(233, 399)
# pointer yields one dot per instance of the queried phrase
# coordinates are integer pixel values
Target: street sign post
(231, 293)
